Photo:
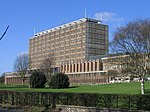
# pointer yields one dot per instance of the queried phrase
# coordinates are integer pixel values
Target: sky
(26, 17)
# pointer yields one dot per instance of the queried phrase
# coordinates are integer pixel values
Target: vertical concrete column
(69, 68)
(8, 80)
(66, 68)
(93, 65)
(82, 68)
(90, 63)
(86, 66)
(5, 80)
(13, 80)
(72, 68)
(63, 68)
(75, 67)
(79, 67)
(98, 65)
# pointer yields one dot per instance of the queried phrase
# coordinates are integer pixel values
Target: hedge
(116, 101)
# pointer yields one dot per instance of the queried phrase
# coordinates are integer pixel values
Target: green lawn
(123, 88)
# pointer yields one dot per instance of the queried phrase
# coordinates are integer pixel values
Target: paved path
(8, 110)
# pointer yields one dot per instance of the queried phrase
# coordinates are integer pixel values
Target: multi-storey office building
(75, 47)
(73, 42)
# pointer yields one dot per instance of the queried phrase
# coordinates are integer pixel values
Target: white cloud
(108, 17)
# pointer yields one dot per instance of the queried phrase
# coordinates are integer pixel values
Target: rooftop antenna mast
(85, 13)
(34, 31)
(101, 18)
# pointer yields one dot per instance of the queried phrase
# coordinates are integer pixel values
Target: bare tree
(21, 66)
(4, 33)
(133, 40)
(47, 66)
(2, 78)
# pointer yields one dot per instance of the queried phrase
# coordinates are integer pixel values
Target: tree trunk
(23, 81)
(142, 85)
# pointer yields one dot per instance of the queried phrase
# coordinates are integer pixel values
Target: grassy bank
(117, 88)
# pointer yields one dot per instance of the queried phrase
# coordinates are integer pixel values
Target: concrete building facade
(87, 72)
(73, 42)
(12, 78)
(75, 47)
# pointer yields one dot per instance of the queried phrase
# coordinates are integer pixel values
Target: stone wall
(88, 78)
(70, 108)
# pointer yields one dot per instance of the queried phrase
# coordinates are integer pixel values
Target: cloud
(108, 17)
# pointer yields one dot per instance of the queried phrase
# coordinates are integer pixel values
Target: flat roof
(66, 25)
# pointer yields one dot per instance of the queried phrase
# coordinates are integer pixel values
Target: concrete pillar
(62, 68)
(69, 68)
(75, 67)
(72, 67)
(90, 67)
(78, 67)
(98, 65)
(82, 67)
(13, 81)
(66, 68)
(5, 80)
(86, 66)
(93, 65)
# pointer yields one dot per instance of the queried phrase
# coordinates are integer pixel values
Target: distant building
(12, 78)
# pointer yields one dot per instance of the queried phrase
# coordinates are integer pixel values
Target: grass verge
(116, 88)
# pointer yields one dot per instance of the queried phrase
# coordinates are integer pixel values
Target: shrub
(2, 79)
(37, 80)
(58, 81)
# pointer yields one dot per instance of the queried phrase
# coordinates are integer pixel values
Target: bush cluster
(37, 80)
(58, 81)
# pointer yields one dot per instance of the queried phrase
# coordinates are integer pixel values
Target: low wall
(71, 108)
(15, 80)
